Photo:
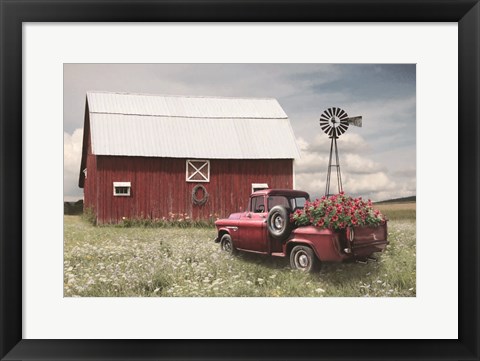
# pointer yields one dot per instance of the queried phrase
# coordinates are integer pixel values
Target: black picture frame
(14, 12)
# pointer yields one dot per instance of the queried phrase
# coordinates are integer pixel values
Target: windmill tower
(334, 122)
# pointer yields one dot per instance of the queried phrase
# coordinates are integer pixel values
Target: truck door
(253, 227)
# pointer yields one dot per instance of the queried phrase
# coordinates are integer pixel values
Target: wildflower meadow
(140, 260)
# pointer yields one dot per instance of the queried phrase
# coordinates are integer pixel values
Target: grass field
(164, 262)
(398, 211)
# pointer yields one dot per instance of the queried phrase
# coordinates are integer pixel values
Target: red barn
(148, 156)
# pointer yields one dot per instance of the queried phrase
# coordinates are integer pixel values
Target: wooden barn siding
(159, 186)
(89, 189)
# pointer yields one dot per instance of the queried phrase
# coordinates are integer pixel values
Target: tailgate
(367, 240)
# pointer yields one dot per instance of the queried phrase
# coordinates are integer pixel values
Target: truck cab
(248, 230)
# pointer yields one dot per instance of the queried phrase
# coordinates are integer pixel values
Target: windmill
(334, 122)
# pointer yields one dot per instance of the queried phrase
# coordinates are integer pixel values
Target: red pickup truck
(265, 228)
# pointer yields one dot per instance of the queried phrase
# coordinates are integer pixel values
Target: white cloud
(72, 155)
(357, 164)
(388, 120)
(347, 143)
(310, 161)
(368, 183)
(313, 183)
(361, 176)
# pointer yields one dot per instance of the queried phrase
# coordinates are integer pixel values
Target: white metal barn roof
(189, 127)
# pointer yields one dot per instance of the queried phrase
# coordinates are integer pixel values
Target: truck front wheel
(226, 244)
(303, 258)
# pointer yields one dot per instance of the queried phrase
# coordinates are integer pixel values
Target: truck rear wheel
(303, 259)
(226, 244)
(278, 222)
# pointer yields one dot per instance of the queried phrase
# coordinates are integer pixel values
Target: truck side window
(257, 205)
(298, 203)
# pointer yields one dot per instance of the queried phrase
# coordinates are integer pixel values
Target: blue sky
(378, 161)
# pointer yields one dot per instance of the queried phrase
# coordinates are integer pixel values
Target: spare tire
(278, 223)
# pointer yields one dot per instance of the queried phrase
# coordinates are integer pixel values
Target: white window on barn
(121, 189)
(198, 171)
(259, 186)
(85, 173)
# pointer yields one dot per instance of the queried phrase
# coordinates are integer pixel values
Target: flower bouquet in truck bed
(353, 218)
(338, 212)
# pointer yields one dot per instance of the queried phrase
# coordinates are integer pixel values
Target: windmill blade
(323, 122)
(331, 132)
(339, 113)
(356, 121)
(342, 128)
(326, 128)
(342, 114)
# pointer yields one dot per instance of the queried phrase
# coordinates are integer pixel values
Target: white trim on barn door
(200, 168)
